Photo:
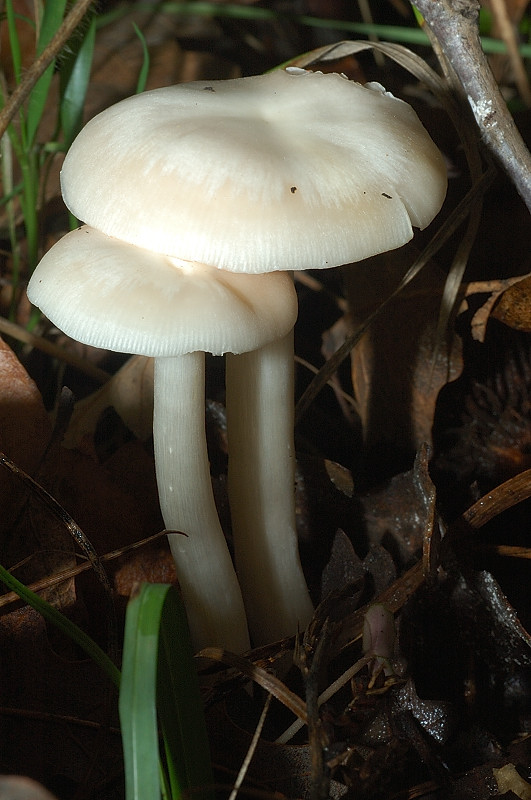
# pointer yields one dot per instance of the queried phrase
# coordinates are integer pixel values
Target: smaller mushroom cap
(109, 294)
(289, 170)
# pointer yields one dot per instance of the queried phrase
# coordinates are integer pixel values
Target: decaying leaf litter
(445, 552)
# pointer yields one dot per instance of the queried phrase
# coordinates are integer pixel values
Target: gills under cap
(289, 170)
(109, 294)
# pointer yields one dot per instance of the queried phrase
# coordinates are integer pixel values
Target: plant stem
(455, 25)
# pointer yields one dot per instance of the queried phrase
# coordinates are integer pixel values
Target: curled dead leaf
(514, 306)
(129, 392)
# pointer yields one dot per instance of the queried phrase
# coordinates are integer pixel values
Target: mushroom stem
(206, 574)
(261, 484)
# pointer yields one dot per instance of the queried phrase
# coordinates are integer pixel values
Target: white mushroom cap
(110, 294)
(289, 170)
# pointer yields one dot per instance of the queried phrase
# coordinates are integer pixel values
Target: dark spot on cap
(387, 195)
(293, 189)
(208, 89)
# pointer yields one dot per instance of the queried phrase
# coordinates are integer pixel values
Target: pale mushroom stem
(205, 570)
(261, 484)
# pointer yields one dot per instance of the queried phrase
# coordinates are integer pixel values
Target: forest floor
(413, 482)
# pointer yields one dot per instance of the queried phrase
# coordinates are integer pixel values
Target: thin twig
(265, 679)
(55, 351)
(325, 696)
(250, 752)
(455, 24)
(58, 577)
(507, 32)
(63, 719)
(42, 62)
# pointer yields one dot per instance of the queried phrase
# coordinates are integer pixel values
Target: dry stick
(505, 496)
(325, 696)
(455, 25)
(42, 62)
(64, 719)
(508, 33)
(458, 109)
(252, 747)
(72, 572)
(259, 675)
(22, 335)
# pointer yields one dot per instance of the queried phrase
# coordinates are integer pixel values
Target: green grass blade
(14, 43)
(159, 671)
(138, 710)
(144, 70)
(37, 103)
(61, 622)
(181, 706)
(51, 20)
(75, 77)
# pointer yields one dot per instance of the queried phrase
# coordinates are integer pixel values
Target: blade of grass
(144, 70)
(159, 671)
(14, 43)
(50, 23)
(181, 707)
(75, 77)
(137, 705)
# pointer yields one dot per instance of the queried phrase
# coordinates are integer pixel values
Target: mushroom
(261, 486)
(110, 294)
(285, 171)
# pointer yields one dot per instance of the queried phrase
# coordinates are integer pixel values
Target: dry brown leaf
(397, 370)
(129, 392)
(24, 425)
(115, 503)
(400, 515)
(15, 787)
(24, 431)
(493, 290)
(153, 564)
(29, 534)
(514, 306)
